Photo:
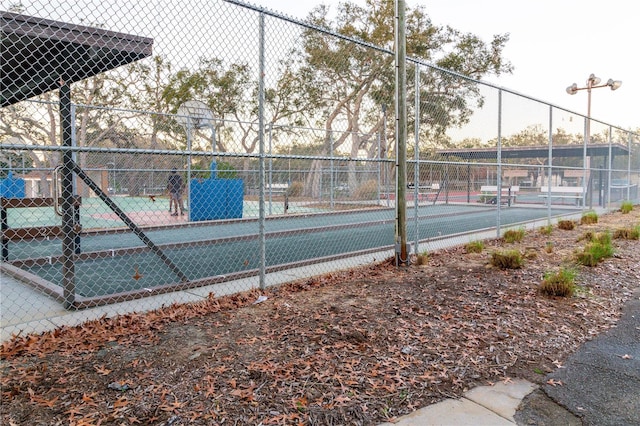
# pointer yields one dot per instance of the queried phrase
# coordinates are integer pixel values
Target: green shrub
(588, 218)
(626, 207)
(566, 224)
(507, 259)
(560, 283)
(487, 199)
(474, 247)
(587, 258)
(513, 235)
(596, 251)
(295, 189)
(366, 191)
(604, 238)
(546, 230)
(226, 171)
(422, 258)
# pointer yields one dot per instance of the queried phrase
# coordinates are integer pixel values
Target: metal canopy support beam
(68, 234)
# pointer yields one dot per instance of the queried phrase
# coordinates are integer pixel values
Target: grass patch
(507, 259)
(589, 218)
(546, 230)
(548, 247)
(474, 247)
(560, 283)
(513, 236)
(566, 225)
(422, 259)
(596, 251)
(587, 236)
(626, 207)
(627, 233)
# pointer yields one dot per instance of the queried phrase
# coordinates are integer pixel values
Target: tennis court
(113, 263)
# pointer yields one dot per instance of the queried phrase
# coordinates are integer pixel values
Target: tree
(225, 91)
(352, 83)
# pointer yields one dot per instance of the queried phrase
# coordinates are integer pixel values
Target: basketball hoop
(194, 115)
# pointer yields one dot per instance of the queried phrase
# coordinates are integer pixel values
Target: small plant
(587, 236)
(604, 238)
(626, 207)
(627, 233)
(546, 230)
(589, 218)
(513, 235)
(487, 199)
(422, 258)
(549, 247)
(474, 247)
(531, 253)
(566, 224)
(596, 251)
(507, 259)
(560, 283)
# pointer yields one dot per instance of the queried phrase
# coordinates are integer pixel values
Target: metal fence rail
(280, 134)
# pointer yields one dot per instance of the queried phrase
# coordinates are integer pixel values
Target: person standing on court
(175, 187)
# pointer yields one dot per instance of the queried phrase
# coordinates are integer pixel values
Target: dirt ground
(349, 348)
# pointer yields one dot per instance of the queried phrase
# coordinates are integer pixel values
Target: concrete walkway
(484, 405)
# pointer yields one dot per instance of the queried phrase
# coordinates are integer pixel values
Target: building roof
(37, 54)
(593, 150)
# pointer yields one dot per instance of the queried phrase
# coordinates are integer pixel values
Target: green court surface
(95, 214)
(119, 262)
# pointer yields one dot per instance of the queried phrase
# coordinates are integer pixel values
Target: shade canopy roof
(37, 54)
(593, 150)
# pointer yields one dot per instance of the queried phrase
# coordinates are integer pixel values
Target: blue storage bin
(212, 199)
(12, 187)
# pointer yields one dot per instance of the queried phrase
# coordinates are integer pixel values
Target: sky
(553, 44)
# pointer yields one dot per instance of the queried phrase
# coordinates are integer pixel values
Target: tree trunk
(312, 185)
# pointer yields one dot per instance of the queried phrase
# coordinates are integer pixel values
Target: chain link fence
(156, 153)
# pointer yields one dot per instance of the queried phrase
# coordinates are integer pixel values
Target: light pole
(593, 82)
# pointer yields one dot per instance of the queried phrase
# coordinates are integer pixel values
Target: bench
(489, 194)
(425, 190)
(574, 192)
(277, 188)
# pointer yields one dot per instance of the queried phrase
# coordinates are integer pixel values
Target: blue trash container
(11, 187)
(213, 198)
